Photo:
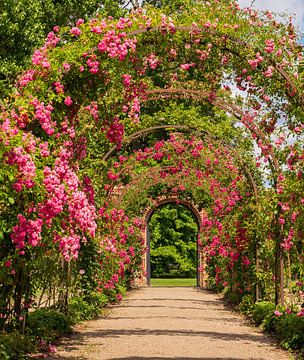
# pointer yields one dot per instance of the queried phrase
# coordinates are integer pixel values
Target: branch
(135, 4)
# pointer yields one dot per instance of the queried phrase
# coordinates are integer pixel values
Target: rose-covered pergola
(84, 152)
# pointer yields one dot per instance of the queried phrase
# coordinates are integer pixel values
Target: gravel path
(169, 323)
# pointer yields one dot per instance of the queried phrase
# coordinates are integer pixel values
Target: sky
(293, 7)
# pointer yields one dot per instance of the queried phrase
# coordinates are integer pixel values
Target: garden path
(169, 323)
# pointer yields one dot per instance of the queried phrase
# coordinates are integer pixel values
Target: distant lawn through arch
(173, 246)
(173, 282)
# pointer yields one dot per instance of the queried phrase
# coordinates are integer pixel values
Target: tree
(172, 4)
(173, 241)
(24, 25)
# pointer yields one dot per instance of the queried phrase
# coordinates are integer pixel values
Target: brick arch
(175, 200)
(162, 200)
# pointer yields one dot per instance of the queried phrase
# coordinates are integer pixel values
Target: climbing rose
(245, 261)
(68, 101)
(8, 263)
(75, 31)
(277, 313)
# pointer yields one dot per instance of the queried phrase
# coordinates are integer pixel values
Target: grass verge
(173, 282)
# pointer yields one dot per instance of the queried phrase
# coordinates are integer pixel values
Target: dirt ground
(169, 323)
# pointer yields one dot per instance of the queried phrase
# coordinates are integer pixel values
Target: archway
(197, 214)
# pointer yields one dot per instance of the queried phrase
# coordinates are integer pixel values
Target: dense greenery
(25, 24)
(45, 326)
(279, 320)
(173, 244)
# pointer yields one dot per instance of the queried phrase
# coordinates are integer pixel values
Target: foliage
(262, 310)
(80, 310)
(25, 24)
(15, 346)
(173, 5)
(86, 308)
(98, 300)
(290, 330)
(48, 324)
(285, 323)
(246, 305)
(173, 241)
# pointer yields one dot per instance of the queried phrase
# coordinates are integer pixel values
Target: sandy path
(169, 323)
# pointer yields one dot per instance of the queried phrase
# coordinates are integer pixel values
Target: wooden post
(281, 299)
(148, 263)
(279, 273)
(257, 269)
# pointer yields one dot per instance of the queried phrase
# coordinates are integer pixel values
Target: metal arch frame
(202, 95)
(153, 171)
(196, 132)
(225, 148)
(144, 132)
(159, 168)
(236, 40)
(212, 32)
(278, 68)
(231, 108)
(274, 164)
(218, 102)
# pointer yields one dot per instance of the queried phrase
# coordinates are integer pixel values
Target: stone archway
(198, 214)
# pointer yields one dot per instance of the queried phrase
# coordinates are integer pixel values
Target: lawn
(173, 282)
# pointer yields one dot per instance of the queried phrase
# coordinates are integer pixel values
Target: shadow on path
(197, 318)
(181, 358)
(116, 333)
(162, 331)
(156, 358)
(171, 307)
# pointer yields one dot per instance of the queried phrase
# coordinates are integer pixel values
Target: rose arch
(73, 205)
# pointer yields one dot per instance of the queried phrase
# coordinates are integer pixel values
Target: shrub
(14, 346)
(233, 297)
(122, 290)
(290, 330)
(262, 310)
(246, 305)
(112, 293)
(270, 321)
(97, 299)
(79, 309)
(48, 324)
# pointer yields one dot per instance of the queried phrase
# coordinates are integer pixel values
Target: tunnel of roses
(203, 106)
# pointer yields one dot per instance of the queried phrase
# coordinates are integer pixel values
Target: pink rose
(8, 263)
(68, 101)
(277, 313)
(75, 31)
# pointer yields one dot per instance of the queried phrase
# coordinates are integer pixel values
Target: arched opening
(173, 254)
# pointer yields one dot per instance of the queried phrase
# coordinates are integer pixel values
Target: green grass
(173, 282)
